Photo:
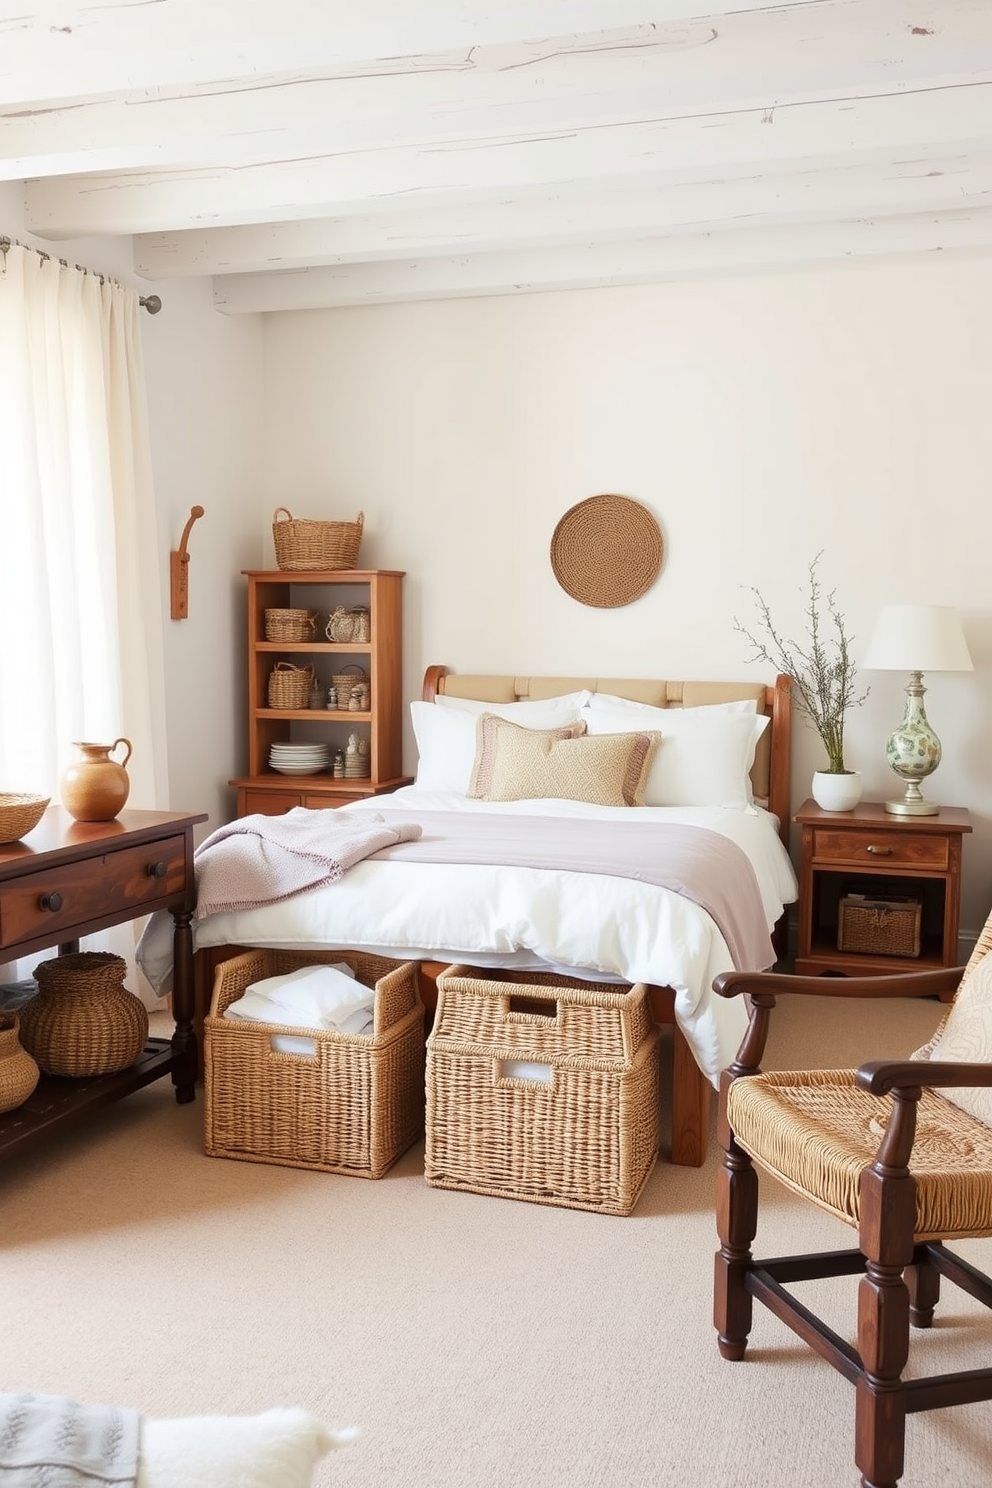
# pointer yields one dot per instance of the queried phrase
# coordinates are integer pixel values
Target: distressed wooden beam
(833, 189)
(77, 50)
(602, 264)
(764, 60)
(924, 124)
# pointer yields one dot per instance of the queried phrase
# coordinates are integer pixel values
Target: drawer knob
(156, 870)
(879, 852)
(52, 902)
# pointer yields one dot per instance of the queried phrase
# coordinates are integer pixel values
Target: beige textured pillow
(520, 764)
(966, 1036)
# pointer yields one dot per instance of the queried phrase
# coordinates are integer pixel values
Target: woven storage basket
(304, 544)
(345, 681)
(290, 686)
(83, 1021)
(353, 1105)
(879, 927)
(542, 1087)
(290, 625)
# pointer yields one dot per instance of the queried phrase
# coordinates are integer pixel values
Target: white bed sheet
(579, 923)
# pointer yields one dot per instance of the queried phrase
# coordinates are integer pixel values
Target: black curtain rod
(151, 303)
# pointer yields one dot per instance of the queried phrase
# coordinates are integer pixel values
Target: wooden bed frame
(692, 1093)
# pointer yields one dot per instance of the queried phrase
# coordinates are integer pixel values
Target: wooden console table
(67, 879)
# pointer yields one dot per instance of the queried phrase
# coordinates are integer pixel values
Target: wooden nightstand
(867, 850)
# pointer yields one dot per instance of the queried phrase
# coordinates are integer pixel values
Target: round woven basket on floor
(606, 551)
(83, 1021)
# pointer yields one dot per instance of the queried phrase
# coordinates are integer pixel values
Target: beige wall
(761, 420)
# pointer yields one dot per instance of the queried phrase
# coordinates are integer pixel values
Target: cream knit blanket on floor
(50, 1441)
(262, 859)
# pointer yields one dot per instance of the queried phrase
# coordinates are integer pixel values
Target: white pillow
(567, 702)
(446, 737)
(277, 1449)
(965, 1036)
(602, 702)
(704, 758)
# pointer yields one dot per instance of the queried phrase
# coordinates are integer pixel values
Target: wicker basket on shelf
(290, 625)
(290, 686)
(351, 680)
(301, 543)
(83, 1021)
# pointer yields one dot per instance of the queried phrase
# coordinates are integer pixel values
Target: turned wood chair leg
(888, 1209)
(737, 1224)
(923, 1281)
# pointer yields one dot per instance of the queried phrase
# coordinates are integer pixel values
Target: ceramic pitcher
(95, 787)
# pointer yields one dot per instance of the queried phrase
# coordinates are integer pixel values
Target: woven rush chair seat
(817, 1131)
(901, 1151)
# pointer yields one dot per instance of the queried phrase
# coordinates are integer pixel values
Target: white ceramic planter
(837, 792)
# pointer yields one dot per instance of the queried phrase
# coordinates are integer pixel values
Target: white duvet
(579, 923)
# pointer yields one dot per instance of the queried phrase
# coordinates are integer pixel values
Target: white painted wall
(761, 420)
(204, 374)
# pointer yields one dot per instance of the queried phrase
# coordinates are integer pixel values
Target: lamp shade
(918, 638)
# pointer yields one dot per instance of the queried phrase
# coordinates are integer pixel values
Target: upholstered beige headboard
(770, 773)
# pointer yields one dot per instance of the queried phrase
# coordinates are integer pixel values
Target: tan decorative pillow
(520, 764)
(966, 1036)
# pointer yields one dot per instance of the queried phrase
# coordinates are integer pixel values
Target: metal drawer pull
(880, 852)
(156, 870)
(50, 901)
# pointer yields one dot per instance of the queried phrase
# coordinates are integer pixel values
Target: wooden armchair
(900, 1151)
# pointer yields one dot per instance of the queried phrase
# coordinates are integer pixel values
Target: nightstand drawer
(59, 899)
(896, 849)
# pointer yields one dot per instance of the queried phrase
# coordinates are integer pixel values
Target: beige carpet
(475, 1341)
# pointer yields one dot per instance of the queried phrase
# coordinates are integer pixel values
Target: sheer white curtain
(80, 612)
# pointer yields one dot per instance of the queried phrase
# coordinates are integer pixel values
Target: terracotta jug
(95, 787)
(19, 1072)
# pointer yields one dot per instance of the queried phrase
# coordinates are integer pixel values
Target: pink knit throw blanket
(263, 859)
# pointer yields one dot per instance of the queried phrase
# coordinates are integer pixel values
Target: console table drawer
(57, 900)
(898, 849)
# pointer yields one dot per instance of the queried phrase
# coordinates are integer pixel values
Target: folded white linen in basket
(326, 996)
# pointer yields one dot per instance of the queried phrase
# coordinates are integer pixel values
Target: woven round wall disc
(606, 551)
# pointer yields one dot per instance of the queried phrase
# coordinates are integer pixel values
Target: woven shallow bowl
(19, 813)
(606, 551)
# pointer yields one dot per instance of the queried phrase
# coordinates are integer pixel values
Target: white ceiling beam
(835, 189)
(66, 50)
(923, 124)
(766, 60)
(593, 265)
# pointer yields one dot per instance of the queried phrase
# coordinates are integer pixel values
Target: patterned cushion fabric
(966, 1036)
(519, 764)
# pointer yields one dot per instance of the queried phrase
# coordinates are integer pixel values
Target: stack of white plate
(300, 759)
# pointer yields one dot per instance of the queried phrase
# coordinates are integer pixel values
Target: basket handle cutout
(545, 1008)
(296, 1045)
(532, 1071)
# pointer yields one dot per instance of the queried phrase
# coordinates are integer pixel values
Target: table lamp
(916, 638)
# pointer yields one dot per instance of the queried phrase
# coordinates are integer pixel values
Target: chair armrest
(881, 1076)
(903, 984)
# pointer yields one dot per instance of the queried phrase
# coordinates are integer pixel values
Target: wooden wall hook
(178, 570)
